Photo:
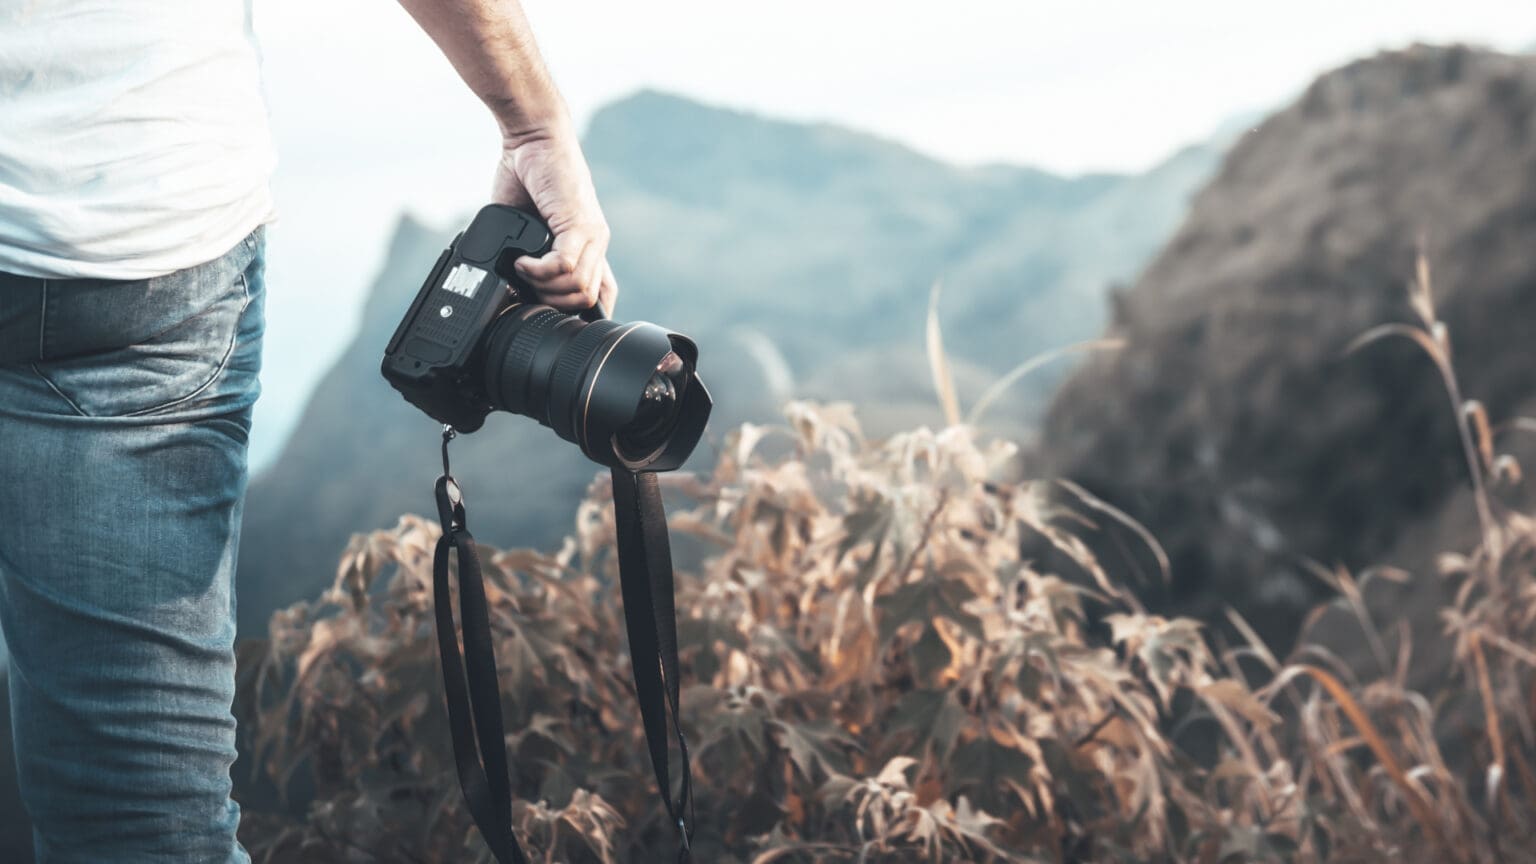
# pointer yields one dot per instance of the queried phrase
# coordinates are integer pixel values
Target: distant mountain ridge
(798, 219)
(798, 255)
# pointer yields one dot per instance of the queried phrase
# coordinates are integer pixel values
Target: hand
(548, 173)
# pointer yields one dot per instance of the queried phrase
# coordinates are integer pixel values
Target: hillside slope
(1235, 424)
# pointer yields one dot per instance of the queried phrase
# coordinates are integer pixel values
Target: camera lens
(658, 411)
(626, 393)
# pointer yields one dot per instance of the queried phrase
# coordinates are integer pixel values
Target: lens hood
(609, 400)
(628, 394)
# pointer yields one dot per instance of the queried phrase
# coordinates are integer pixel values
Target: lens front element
(659, 406)
(626, 393)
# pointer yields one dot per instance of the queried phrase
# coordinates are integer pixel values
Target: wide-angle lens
(658, 412)
(626, 393)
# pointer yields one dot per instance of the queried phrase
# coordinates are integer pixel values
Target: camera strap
(650, 616)
(470, 682)
(474, 702)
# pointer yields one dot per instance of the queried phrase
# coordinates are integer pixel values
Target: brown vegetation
(877, 675)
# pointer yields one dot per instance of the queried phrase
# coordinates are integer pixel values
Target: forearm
(490, 44)
(541, 167)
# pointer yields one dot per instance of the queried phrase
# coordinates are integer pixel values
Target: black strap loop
(471, 686)
(645, 575)
(470, 683)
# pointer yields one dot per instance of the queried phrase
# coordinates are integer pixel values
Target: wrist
(520, 126)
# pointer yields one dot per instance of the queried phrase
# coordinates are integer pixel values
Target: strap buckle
(450, 498)
(450, 505)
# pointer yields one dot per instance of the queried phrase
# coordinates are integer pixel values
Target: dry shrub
(877, 675)
(875, 672)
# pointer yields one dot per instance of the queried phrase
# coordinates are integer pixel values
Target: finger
(589, 269)
(577, 249)
(564, 289)
(573, 287)
(608, 291)
(572, 303)
(564, 294)
(558, 262)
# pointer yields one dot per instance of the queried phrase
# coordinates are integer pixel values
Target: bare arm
(490, 44)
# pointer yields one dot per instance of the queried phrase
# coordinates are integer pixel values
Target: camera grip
(596, 313)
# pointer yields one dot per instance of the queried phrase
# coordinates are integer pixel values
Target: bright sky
(370, 120)
(1111, 84)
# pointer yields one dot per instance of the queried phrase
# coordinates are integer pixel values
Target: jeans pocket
(183, 356)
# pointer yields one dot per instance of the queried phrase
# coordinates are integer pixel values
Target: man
(134, 168)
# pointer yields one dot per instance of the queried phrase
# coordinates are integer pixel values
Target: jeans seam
(234, 340)
(55, 388)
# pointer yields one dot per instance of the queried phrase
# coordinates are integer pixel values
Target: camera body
(430, 359)
(475, 340)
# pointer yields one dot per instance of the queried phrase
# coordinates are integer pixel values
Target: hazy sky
(1070, 86)
(370, 120)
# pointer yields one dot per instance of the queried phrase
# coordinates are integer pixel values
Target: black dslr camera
(475, 341)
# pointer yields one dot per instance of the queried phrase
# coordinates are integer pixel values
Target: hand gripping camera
(475, 341)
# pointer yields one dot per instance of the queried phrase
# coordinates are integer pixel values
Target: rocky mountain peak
(1234, 423)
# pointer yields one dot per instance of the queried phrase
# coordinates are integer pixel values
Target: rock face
(800, 257)
(1234, 424)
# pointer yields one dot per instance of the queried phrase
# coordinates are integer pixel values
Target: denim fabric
(124, 413)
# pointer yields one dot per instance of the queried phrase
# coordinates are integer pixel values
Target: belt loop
(42, 323)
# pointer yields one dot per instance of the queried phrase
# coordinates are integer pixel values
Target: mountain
(1235, 424)
(828, 240)
(800, 256)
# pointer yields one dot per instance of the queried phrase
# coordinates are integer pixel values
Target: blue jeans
(124, 413)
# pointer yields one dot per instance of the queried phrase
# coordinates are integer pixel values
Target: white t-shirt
(133, 135)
